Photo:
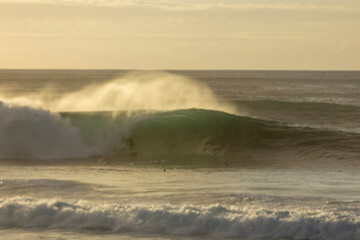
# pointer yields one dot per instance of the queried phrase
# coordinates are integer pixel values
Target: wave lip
(213, 221)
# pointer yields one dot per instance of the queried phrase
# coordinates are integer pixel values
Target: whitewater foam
(29, 133)
(213, 221)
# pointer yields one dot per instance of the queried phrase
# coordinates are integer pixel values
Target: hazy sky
(180, 34)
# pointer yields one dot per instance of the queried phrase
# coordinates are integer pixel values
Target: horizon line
(179, 69)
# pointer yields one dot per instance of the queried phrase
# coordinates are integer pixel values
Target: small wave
(52, 184)
(47, 188)
(213, 221)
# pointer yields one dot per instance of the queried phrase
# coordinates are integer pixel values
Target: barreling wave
(158, 117)
(178, 136)
(217, 221)
(185, 136)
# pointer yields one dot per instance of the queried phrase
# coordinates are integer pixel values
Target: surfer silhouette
(131, 146)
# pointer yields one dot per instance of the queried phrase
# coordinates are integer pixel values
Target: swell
(196, 134)
(211, 221)
(48, 188)
(177, 136)
(336, 117)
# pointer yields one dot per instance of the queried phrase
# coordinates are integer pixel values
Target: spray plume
(153, 91)
(31, 126)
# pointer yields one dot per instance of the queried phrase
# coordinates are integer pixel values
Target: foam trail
(29, 133)
(213, 221)
(135, 91)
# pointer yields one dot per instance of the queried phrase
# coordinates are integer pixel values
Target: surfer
(131, 146)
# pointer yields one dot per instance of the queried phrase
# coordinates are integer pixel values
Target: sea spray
(31, 127)
(29, 133)
(301, 196)
(153, 91)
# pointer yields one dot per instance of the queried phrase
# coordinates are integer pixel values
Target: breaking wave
(153, 117)
(29, 133)
(212, 221)
(185, 136)
(179, 136)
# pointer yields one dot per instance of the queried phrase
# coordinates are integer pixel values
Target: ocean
(121, 154)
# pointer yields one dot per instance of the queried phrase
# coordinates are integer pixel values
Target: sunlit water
(285, 167)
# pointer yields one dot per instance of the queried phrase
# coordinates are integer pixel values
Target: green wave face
(196, 135)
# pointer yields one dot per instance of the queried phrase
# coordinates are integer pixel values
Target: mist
(156, 91)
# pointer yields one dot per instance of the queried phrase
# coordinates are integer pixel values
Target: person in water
(131, 146)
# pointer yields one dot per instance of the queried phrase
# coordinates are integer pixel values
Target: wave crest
(213, 221)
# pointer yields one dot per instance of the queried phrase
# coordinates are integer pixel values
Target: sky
(180, 34)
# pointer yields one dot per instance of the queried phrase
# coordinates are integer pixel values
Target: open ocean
(110, 154)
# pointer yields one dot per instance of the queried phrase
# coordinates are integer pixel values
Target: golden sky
(180, 34)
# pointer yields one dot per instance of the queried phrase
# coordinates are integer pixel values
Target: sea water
(106, 154)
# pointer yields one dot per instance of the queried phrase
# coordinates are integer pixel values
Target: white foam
(31, 133)
(213, 221)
